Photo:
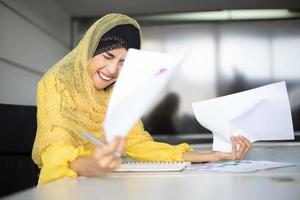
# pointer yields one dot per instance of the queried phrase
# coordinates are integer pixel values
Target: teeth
(104, 77)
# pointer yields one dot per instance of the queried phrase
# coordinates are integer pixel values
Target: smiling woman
(110, 53)
(105, 67)
(72, 97)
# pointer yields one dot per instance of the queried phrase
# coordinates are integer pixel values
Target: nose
(112, 69)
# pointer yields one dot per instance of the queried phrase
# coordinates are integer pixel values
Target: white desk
(283, 183)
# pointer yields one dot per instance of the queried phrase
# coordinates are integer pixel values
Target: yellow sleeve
(56, 159)
(140, 146)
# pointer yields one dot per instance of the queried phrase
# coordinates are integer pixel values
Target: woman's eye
(107, 56)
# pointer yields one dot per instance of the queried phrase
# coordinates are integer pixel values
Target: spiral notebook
(130, 165)
(152, 166)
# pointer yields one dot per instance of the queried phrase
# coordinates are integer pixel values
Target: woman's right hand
(102, 161)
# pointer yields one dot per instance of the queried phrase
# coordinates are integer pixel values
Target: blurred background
(230, 46)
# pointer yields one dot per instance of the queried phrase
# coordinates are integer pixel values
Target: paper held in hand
(259, 114)
(143, 77)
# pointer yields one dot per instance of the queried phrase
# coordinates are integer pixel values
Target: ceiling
(94, 8)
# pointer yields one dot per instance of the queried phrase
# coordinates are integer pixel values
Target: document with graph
(239, 166)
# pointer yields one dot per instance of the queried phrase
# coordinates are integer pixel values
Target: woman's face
(105, 67)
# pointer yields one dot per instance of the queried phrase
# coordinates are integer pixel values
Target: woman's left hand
(235, 154)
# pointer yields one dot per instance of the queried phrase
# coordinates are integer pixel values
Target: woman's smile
(104, 77)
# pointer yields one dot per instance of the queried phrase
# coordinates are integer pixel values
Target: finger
(110, 148)
(121, 145)
(241, 152)
(100, 153)
(242, 143)
(233, 151)
(114, 144)
(104, 163)
(115, 164)
(248, 143)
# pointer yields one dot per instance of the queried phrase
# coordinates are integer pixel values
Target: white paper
(259, 114)
(143, 77)
(239, 166)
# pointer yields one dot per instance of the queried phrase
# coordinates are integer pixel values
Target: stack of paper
(258, 114)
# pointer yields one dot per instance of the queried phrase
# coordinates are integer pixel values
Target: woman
(73, 96)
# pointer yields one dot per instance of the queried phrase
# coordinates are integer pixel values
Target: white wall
(34, 35)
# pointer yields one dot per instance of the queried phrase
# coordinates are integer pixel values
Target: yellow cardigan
(68, 103)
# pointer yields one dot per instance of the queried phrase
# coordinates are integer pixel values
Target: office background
(224, 55)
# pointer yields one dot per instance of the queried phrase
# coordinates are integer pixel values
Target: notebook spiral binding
(136, 166)
(155, 162)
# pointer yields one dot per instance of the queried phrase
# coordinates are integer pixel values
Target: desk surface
(282, 183)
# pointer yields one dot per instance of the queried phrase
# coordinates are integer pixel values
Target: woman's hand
(102, 161)
(214, 156)
(235, 154)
